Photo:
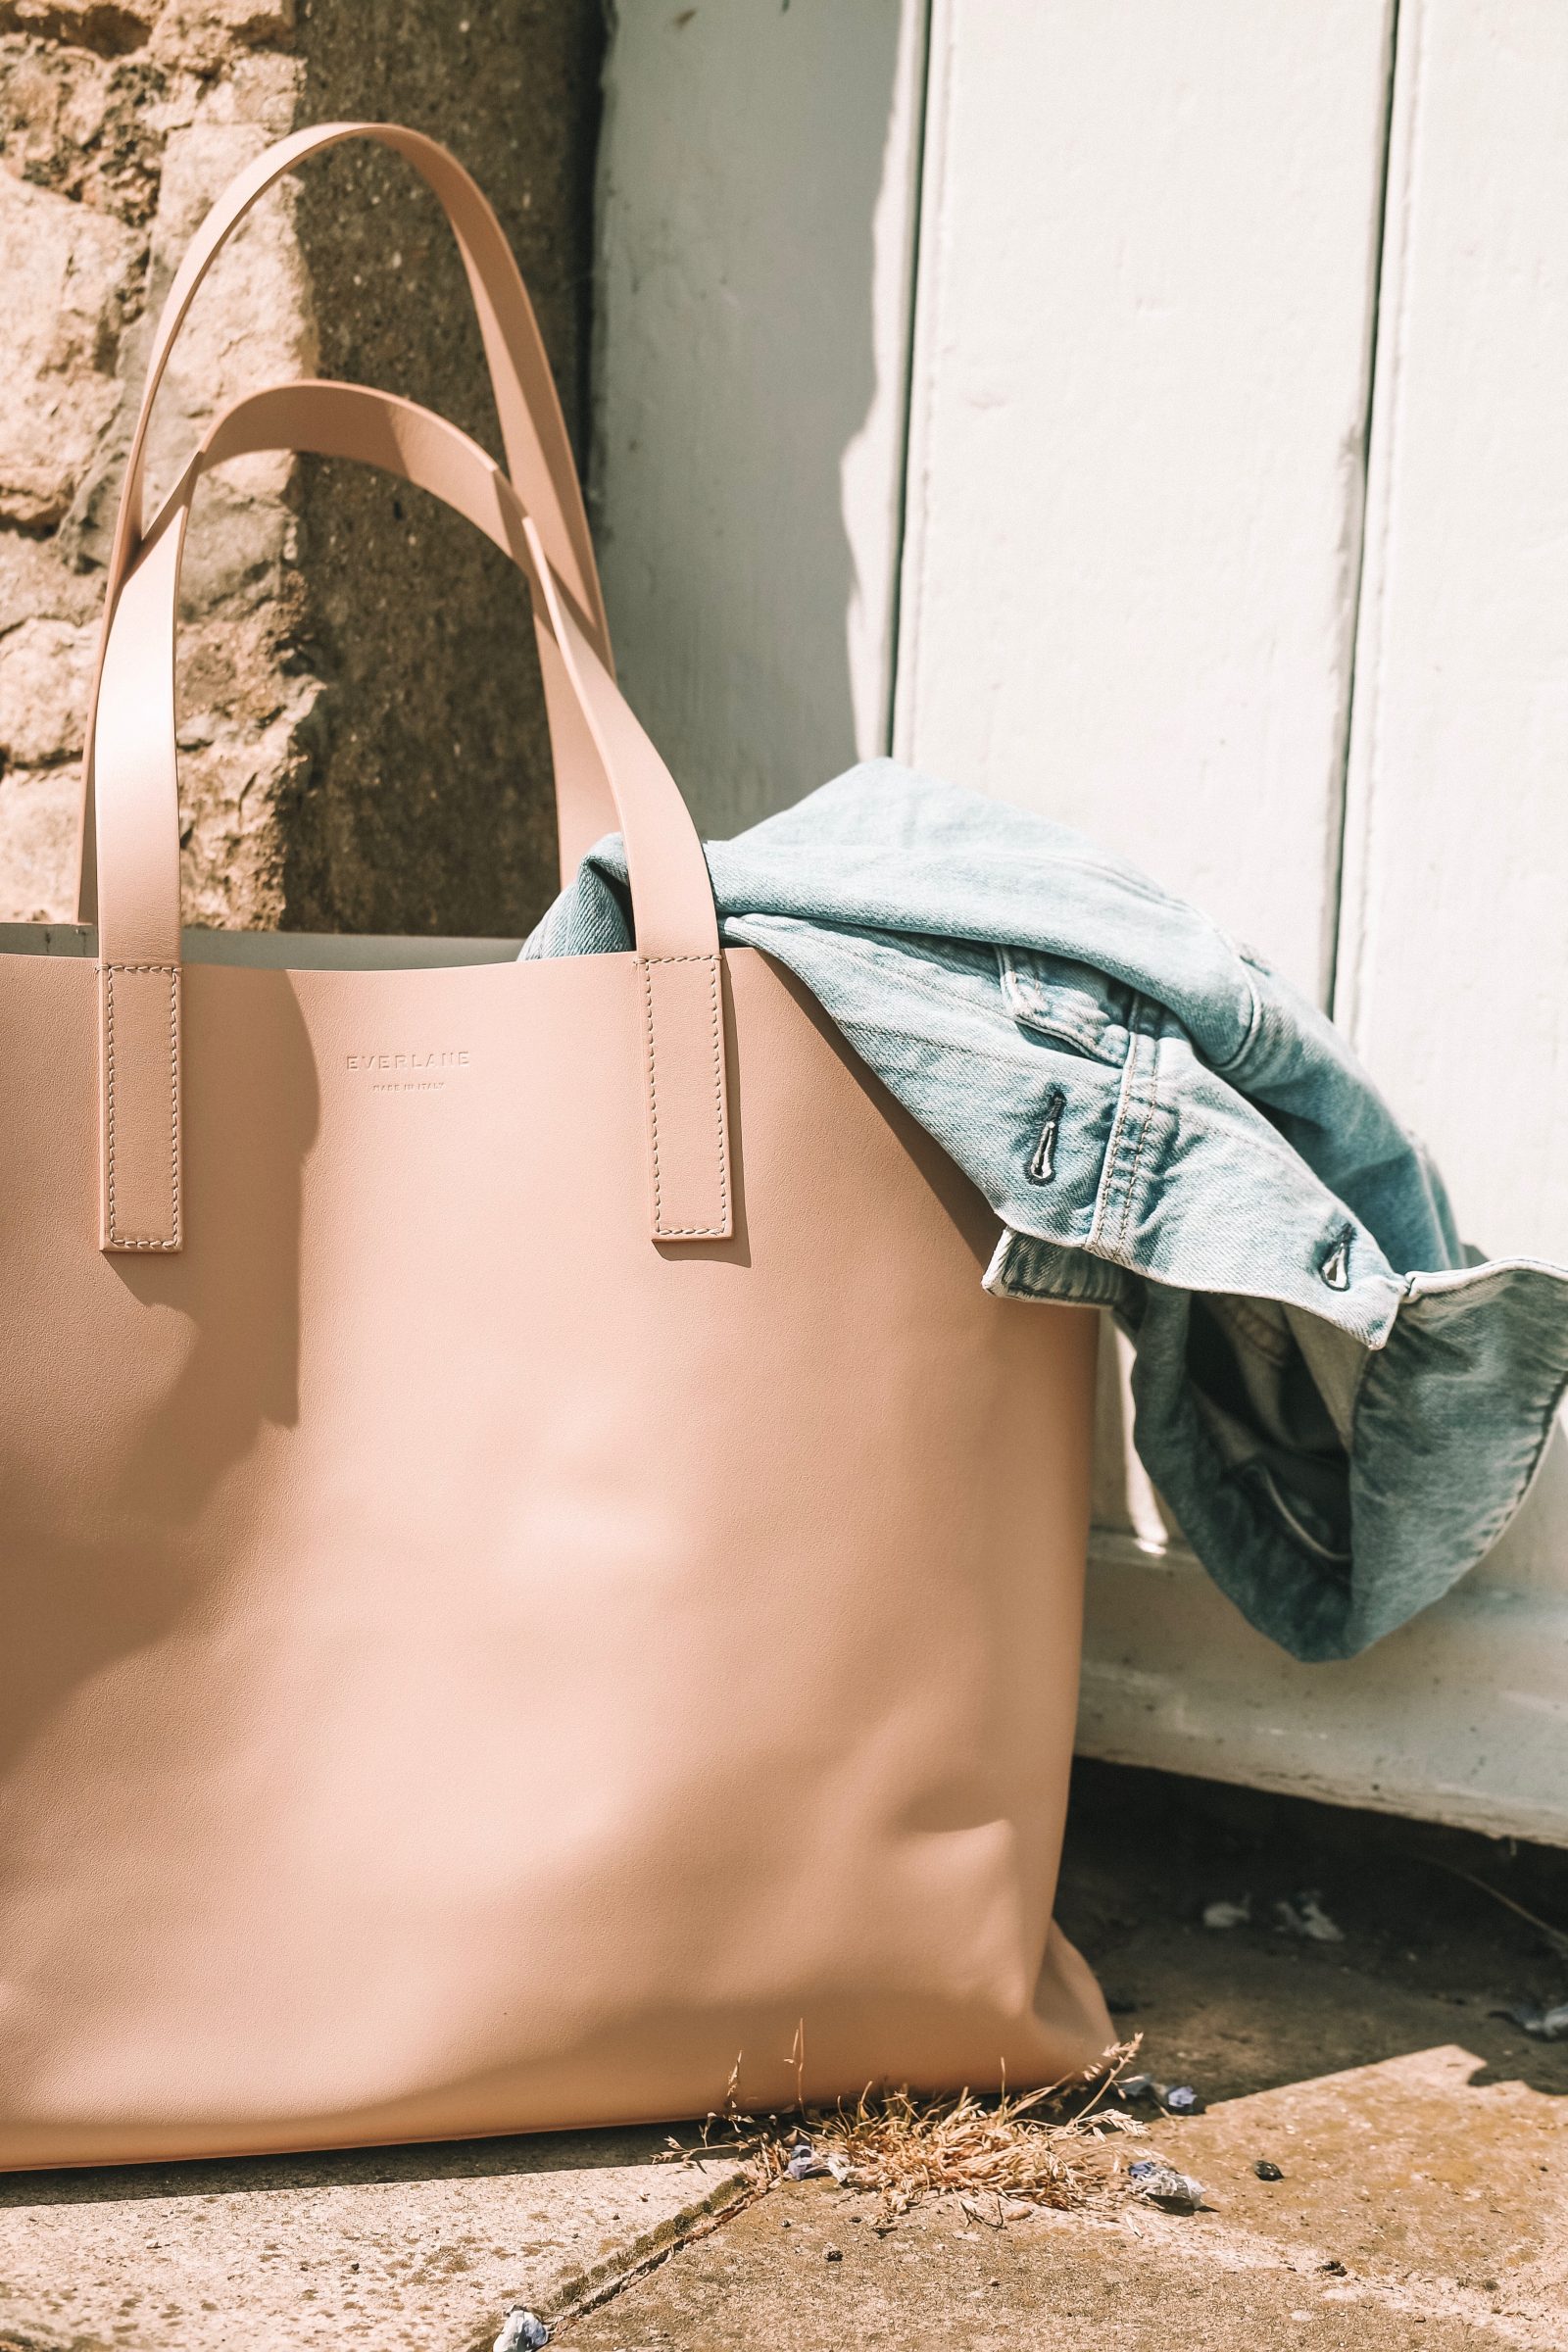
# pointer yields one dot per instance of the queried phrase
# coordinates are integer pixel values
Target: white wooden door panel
(1148, 251)
(1454, 964)
(757, 205)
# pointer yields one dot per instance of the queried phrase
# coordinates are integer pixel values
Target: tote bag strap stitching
(722, 1228)
(114, 1237)
(533, 429)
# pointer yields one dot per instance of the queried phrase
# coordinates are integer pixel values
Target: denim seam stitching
(1144, 1125)
(1099, 1238)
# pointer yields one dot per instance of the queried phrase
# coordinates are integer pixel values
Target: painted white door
(1151, 415)
(758, 184)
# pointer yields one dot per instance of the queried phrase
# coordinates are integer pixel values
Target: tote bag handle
(533, 431)
(137, 828)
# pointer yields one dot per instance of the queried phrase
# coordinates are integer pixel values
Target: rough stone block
(68, 279)
(43, 691)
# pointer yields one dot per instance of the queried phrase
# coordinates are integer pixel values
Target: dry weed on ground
(1002, 2156)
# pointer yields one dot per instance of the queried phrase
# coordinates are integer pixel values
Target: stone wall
(362, 744)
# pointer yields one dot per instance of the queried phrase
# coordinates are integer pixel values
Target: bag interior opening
(277, 951)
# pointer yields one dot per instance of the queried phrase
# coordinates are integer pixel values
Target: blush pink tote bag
(534, 1576)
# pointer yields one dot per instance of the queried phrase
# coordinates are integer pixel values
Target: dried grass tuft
(1001, 2156)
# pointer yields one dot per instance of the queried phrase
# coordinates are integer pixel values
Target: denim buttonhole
(1042, 1166)
(1336, 1267)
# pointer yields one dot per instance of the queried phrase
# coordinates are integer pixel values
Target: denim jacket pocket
(1069, 1003)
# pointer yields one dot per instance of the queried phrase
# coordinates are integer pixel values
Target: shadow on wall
(428, 805)
(744, 157)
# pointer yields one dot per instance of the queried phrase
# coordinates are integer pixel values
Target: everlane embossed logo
(421, 1074)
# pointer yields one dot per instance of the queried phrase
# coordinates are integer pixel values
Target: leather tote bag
(536, 1583)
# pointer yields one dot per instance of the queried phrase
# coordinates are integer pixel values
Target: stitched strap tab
(138, 1006)
(688, 1122)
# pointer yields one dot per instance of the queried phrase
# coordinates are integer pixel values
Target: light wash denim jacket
(1341, 1406)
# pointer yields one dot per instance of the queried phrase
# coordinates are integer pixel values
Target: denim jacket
(1341, 1406)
